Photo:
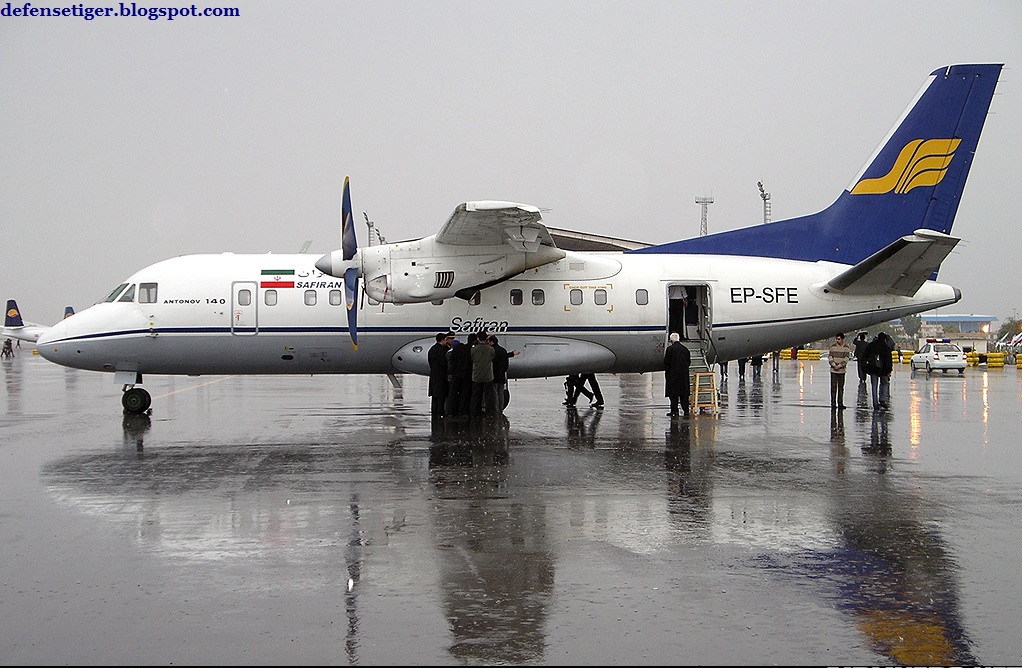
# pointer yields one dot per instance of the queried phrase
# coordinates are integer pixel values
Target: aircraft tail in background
(914, 180)
(17, 328)
(12, 317)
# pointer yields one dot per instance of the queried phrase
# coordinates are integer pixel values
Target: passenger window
(147, 293)
(116, 291)
(244, 297)
(516, 297)
(129, 294)
(538, 297)
(270, 297)
(600, 297)
(310, 297)
(575, 296)
(335, 298)
(641, 297)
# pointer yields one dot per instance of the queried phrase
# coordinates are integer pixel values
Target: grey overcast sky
(125, 141)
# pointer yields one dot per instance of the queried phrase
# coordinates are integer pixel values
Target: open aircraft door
(243, 308)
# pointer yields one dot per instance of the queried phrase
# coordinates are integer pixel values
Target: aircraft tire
(136, 400)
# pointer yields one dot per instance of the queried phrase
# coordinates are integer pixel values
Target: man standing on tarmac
(677, 360)
(838, 356)
(860, 344)
(438, 384)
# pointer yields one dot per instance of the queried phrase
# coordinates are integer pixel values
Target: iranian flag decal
(277, 278)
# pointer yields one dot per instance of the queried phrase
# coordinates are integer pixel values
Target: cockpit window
(116, 291)
(129, 294)
(147, 293)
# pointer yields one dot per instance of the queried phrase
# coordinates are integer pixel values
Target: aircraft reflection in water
(502, 504)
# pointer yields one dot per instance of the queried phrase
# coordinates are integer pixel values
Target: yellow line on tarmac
(195, 387)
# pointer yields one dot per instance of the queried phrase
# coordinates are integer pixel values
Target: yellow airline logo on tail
(13, 313)
(920, 163)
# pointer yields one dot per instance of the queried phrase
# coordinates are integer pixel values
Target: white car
(939, 354)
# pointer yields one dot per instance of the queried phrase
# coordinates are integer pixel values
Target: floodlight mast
(704, 202)
(766, 202)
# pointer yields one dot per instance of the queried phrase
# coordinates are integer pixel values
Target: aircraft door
(243, 308)
(688, 311)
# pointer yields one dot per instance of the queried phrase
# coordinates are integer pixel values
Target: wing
(494, 223)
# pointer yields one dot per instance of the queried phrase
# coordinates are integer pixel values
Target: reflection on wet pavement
(778, 531)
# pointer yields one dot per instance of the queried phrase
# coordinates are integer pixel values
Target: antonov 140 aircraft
(869, 257)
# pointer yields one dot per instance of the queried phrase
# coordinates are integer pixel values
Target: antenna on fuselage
(374, 234)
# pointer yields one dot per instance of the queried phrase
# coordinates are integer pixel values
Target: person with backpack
(879, 365)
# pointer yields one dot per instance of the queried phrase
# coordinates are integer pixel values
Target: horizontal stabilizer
(898, 269)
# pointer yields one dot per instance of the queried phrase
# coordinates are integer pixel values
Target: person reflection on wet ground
(495, 595)
(581, 428)
(688, 499)
(469, 443)
(880, 441)
(838, 447)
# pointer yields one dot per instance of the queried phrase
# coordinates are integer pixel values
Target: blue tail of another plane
(914, 180)
(12, 318)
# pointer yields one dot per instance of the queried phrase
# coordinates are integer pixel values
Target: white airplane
(16, 328)
(870, 257)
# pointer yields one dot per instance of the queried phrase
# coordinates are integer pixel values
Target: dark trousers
(679, 400)
(484, 399)
(438, 405)
(837, 389)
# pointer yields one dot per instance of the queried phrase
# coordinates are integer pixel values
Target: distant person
(757, 367)
(742, 361)
(677, 360)
(573, 387)
(438, 383)
(860, 344)
(594, 387)
(879, 365)
(723, 371)
(838, 355)
(8, 350)
(677, 305)
(483, 398)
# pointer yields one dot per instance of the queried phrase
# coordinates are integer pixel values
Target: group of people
(874, 360)
(468, 379)
(8, 349)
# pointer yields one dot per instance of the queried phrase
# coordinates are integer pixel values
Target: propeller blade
(349, 245)
(351, 301)
(349, 248)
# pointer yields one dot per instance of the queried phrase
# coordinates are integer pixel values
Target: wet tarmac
(327, 520)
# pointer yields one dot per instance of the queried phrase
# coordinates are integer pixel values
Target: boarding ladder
(703, 396)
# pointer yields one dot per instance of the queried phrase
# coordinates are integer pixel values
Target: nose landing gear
(135, 400)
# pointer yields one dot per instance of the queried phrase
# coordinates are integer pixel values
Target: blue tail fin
(13, 316)
(913, 180)
(69, 311)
